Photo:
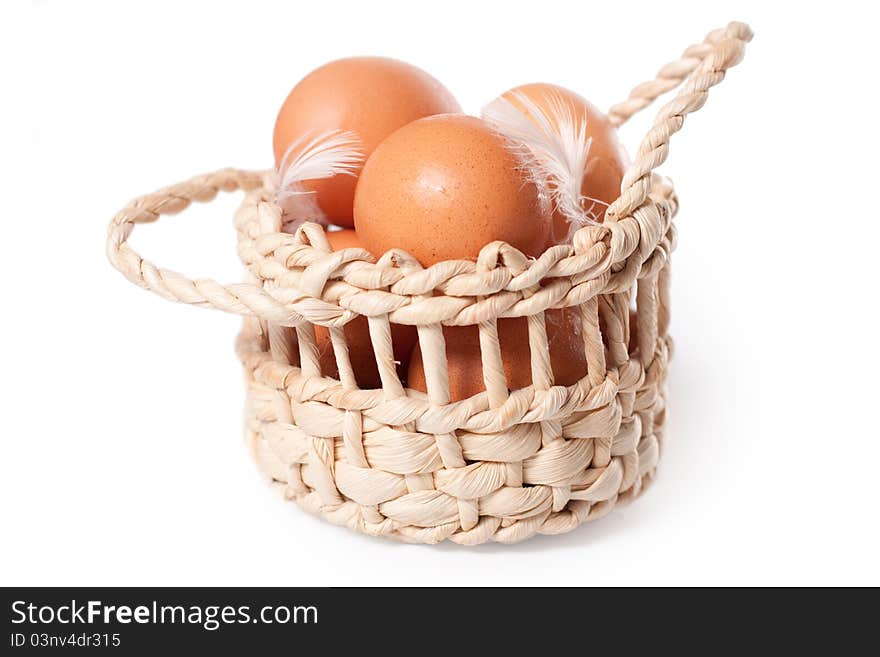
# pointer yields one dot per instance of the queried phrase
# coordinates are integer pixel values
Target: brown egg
(370, 96)
(607, 161)
(357, 334)
(445, 186)
(343, 239)
(567, 357)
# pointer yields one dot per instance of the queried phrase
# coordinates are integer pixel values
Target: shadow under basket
(502, 465)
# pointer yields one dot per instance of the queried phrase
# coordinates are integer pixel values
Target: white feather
(330, 153)
(558, 145)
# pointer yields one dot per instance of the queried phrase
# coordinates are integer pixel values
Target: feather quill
(558, 149)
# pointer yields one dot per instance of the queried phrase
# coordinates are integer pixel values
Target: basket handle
(700, 68)
(241, 299)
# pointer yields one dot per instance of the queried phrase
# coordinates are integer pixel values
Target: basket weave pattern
(502, 465)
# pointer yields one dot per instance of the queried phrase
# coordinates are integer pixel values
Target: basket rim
(334, 287)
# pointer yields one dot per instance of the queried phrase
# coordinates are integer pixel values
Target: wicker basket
(502, 465)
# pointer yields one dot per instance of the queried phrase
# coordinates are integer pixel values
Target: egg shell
(370, 96)
(607, 161)
(345, 238)
(443, 187)
(357, 334)
(463, 355)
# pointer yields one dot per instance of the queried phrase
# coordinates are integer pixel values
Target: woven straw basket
(502, 465)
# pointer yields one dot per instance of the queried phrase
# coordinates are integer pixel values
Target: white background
(122, 459)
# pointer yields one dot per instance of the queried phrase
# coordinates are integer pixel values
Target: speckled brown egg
(370, 96)
(443, 187)
(357, 334)
(567, 356)
(607, 161)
